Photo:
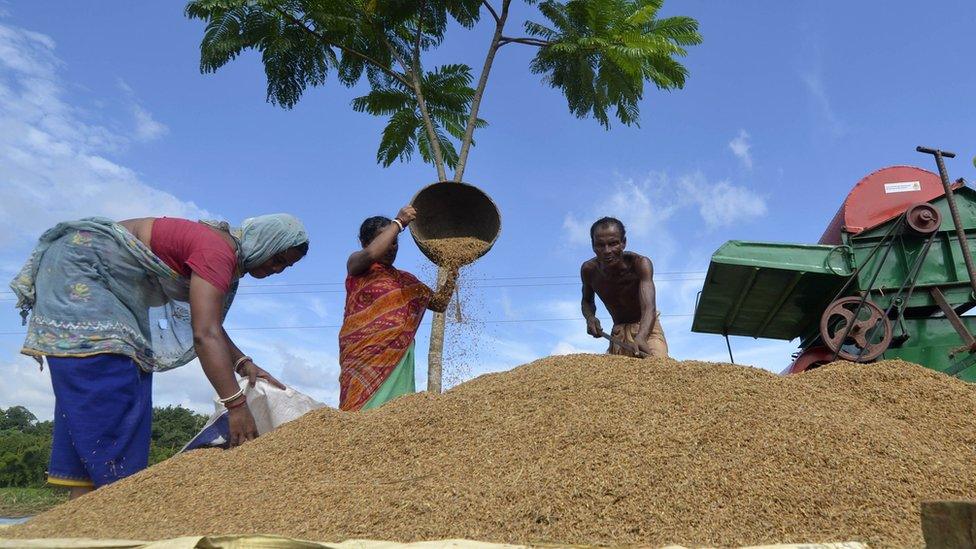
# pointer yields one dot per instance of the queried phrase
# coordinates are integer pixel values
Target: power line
(473, 287)
(474, 279)
(333, 326)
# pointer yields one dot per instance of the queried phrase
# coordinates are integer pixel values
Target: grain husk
(453, 252)
(580, 449)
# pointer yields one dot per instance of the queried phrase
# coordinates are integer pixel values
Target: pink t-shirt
(192, 247)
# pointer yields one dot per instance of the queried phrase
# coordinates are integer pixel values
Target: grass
(22, 502)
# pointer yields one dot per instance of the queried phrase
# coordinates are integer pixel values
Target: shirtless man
(625, 283)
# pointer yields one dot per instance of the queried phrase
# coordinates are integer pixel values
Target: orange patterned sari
(384, 307)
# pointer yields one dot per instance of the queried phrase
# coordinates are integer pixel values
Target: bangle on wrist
(238, 404)
(399, 223)
(240, 362)
(231, 398)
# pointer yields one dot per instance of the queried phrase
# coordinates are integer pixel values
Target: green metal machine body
(891, 289)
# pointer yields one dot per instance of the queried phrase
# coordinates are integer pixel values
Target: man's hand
(593, 327)
(643, 347)
(406, 215)
(253, 372)
(241, 423)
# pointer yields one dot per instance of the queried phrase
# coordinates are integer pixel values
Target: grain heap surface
(455, 251)
(587, 449)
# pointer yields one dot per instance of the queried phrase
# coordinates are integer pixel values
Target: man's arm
(588, 305)
(645, 270)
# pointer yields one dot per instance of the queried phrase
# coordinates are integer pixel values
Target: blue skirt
(102, 419)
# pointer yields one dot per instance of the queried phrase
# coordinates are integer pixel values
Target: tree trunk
(435, 145)
(435, 354)
(479, 92)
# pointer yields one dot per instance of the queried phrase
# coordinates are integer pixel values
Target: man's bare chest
(620, 289)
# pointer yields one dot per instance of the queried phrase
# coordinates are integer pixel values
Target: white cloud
(813, 80)
(318, 307)
(147, 128)
(314, 373)
(576, 230)
(54, 166)
(740, 147)
(25, 384)
(125, 87)
(508, 308)
(267, 307)
(52, 161)
(185, 386)
(722, 204)
(645, 207)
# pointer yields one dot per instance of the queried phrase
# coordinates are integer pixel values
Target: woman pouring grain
(384, 307)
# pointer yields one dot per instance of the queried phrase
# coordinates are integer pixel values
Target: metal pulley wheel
(855, 334)
(923, 218)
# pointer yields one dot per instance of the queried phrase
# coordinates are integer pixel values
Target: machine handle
(927, 150)
(624, 344)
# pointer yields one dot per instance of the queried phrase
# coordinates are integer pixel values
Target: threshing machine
(891, 277)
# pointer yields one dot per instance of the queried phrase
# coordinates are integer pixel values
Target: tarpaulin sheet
(276, 542)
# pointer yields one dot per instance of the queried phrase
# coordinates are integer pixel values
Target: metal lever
(967, 256)
(937, 152)
(624, 344)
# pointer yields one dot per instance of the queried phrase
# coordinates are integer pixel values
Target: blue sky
(103, 111)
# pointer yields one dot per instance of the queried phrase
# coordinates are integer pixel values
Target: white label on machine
(903, 187)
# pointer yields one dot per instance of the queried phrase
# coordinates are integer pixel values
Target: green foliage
(175, 425)
(25, 443)
(17, 418)
(23, 458)
(302, 40)
(23, 502)
(448, 95)
(600, 52)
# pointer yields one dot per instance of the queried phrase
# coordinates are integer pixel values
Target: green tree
(598, 53)
(25, 443)
(17, 418)
(175, 425)
(172, 428)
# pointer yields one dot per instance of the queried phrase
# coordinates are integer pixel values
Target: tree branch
(416, 44)
(523, 40)
(435, 144)
(479, 92)
(494, 13)
(392, 73)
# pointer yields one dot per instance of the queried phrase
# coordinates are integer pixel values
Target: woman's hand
(406, 215)
(253, 372)
(241, 423)
(442, 297)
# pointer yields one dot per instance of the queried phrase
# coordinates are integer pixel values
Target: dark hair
(369, 228)
(301, 248)
(606, 221)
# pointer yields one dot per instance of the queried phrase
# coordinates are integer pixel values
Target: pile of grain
(585, 449)
(454, 252)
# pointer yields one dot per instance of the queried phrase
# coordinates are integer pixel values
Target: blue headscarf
(266, 235)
